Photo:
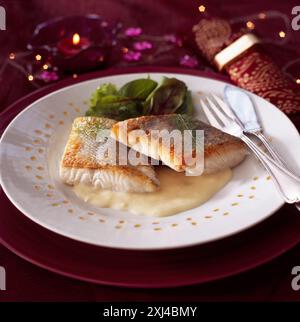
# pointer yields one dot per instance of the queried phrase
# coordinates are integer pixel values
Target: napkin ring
(234, 50)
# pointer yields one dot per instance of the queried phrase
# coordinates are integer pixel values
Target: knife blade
(243, 108)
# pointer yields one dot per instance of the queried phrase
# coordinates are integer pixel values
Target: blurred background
(270, 19)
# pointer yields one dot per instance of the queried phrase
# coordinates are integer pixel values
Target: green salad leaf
(167, 97)
(116, 107)
(187, 106)
(107, 102)
(140, 97)
(103, 90)
(139, 88)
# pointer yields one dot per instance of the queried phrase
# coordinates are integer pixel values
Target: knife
(243, 110)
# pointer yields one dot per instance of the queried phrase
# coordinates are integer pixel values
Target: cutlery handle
(287, 183)
(274, 154)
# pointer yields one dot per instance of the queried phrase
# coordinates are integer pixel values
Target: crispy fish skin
(221, 150)
(80, 164)
(83, 137)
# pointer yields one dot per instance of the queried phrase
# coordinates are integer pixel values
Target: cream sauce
(177, 193)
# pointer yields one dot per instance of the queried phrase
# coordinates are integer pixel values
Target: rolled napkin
(241, 55)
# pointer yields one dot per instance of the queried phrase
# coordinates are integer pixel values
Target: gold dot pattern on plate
(28, 167)
(121, 222)
(268, 178)
(71, 104)
(37, 141)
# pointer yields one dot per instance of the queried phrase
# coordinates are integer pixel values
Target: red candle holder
(72, 46)
(75, 44)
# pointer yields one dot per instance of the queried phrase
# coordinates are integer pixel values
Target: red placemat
(147, 269)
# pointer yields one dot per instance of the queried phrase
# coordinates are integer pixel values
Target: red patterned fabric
(254, 70)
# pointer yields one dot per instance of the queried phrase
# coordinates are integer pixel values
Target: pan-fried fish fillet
(81, 162)
(221, 150)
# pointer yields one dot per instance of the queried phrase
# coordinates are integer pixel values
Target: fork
(286, 182)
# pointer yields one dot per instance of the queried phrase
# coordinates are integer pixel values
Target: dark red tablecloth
(27, 282)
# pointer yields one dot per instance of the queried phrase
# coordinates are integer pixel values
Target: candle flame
(76, 39)
(201, 8)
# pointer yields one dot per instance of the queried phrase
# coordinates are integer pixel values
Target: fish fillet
(81, 162)
(221, 150)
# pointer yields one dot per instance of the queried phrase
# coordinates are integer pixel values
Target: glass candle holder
(74, 44)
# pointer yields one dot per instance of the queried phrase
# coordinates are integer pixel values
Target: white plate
(32, 145)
